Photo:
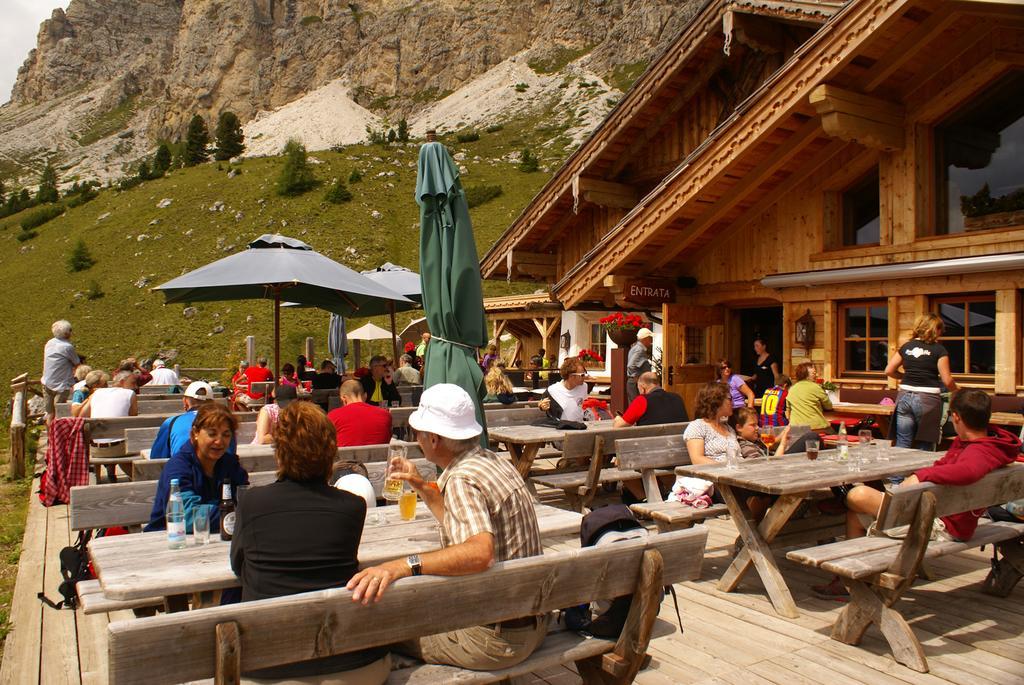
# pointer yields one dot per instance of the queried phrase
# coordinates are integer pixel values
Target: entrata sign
(647, 291)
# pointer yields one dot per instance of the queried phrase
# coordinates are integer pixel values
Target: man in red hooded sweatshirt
(977, 449)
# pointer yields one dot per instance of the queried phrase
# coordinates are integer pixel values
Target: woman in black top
(300, 534)
(925, 370)
(766, 369)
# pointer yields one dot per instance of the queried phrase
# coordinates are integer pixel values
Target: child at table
(977, 450)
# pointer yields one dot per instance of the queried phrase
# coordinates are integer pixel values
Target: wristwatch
(414, 564)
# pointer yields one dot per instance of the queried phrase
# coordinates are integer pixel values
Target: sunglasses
(725, 368)
(577, 374)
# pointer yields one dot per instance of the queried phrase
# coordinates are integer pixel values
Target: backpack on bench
(607, 525)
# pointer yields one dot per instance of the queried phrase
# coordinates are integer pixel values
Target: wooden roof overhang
(507, 304)
(524, 250)
(776, 139)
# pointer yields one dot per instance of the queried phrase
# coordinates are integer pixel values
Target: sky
(18, 30)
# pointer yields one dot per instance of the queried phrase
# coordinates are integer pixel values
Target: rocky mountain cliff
(110, 77)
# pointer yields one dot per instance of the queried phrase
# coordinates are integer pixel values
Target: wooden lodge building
(847, 165)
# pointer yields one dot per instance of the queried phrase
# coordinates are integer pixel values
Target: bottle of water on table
(175, 516)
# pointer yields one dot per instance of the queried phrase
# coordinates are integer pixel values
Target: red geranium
(621, 322)
(591, 356)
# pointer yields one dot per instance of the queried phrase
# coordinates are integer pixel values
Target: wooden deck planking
(59, 650)
(21, 651)
(728, 639)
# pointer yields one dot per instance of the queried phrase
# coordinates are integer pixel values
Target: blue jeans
(907, 416)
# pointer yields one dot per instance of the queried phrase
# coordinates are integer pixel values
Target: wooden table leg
(176, 603)
(756, 551)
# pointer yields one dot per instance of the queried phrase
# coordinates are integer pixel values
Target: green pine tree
(162, 159)
(528, 162)
(230, 139)
(403, 131)
(356, 176)
(80, 259)
(392, 136)
(144, 173)
(297, 175)
(3, 192)
(337, 193)
(197, 142)
(48, 185)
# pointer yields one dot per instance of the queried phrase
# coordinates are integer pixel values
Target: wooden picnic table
(524, 442)
(792, 478)
(140, 565)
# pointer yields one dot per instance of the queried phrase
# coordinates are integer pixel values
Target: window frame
(934, 304)
(842, 338)
(599, 345)
(847, 233)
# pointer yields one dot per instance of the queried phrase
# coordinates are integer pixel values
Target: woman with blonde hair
(299, 534)
(499, 387)
(806, 402)
(921, 365)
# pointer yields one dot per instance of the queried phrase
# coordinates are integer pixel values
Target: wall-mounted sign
(649, 291)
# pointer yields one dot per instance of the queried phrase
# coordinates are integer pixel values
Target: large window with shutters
(863, 338)
(969, 333)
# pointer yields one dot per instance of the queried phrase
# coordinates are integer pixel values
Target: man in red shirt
(653, 405)
(259, 374)
(977, 450)
(357, 422)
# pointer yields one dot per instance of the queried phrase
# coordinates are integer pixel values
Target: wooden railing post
(250, 349)
(19, 411)
(310, 357)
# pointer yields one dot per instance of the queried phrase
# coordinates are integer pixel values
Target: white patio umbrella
(368, 332)
(401, 280)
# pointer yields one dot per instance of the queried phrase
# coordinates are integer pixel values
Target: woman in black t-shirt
(766, 369)
(925, 371)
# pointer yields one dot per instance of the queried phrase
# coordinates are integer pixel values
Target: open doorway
(764, 323)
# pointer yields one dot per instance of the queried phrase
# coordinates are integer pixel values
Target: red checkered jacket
(67, 460)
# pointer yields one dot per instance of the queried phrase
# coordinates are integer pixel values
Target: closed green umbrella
(450, 277)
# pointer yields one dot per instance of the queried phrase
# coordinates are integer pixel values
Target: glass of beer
(393, 486)
(407, 505)
(812, 447)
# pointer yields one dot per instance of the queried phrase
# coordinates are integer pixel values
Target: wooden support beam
(750, 181)
(604, 193)
(1008, 350)
(860, 118)
(905, 49)
(536, 264)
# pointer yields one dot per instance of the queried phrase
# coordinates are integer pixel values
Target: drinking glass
(732, 456)
(812, 447)
(201, 524)
(855, 460)
(768, 438)
(393, 486)
(407, 505)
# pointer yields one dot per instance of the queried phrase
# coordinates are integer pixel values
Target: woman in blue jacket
(201, 466)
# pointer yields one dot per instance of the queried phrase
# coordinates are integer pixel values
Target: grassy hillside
(132, 239)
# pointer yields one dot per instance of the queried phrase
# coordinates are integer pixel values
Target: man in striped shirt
(486, 515)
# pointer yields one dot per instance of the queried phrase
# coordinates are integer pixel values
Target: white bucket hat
(446, 410)
(644, 333)
(158, 364)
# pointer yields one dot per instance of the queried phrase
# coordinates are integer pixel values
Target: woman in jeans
(925, 371)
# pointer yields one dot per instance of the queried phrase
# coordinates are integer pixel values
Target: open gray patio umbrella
(450, 277)
(401, 280)
(337, 341)
(276, 267)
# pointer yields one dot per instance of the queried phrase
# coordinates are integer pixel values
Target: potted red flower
(622, 328)
(590, 357)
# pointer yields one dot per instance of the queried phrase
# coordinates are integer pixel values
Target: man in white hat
(162, 375)
(486, 515)
(638, 361)
(174, 431)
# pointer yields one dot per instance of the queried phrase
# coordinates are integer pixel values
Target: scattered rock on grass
(189, 312)
(164, 203)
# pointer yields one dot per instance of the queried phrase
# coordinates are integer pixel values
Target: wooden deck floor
(969, 638)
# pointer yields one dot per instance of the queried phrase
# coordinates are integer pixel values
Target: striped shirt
(485, 494)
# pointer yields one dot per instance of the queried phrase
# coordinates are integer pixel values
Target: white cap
(199, 390)
(446, 410)
(158, 364)
(644, 333)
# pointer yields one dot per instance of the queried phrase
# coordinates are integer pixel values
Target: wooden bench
(580, 487)
(878, 569)
(138, 439)
(222, 642)
(150, 469)
(645, 457)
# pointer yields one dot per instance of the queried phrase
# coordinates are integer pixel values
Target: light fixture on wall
(563, 341)
(805, 329)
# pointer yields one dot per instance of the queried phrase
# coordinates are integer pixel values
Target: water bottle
(843, 446)
(175, 517)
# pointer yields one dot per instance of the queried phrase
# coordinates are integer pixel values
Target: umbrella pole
(394, 335)
(277, 334)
